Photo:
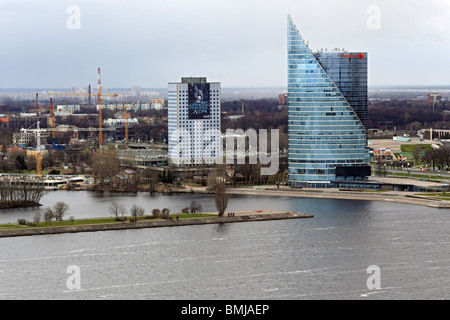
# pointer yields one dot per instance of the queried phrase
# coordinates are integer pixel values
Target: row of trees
(437, 158)
(20, 189)
(57, 213)
(221, 201)
(119, 210)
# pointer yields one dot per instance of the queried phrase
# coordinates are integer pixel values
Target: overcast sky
(240, 43)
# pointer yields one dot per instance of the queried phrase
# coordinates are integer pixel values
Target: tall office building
(194, 121)
(327, 97)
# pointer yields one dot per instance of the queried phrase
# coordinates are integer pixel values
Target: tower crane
(126, 106)
(99, 95)
(38, 131)
(38, 153)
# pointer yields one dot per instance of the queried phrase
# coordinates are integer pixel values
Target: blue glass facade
(327, 96)
(348, 71)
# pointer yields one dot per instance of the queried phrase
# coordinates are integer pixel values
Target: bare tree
(114, 208)
(136, 211)
(221, 198)
(20, 189)
(152, 178)
(117, 209)
(105, 165)
(48, 215)
(195, 206)
(122, 210)
(37, 218)
(59, 210)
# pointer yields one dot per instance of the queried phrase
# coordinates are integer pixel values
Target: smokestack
(99, 82)
(100, 133)
(37, 106)
(89, 101)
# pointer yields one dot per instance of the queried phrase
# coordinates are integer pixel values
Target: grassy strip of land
(188, 220)
(98, 221)
(411, 148)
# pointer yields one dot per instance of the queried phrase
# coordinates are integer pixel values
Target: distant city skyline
(242, 44)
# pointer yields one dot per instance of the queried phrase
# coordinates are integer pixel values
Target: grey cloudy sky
(241, 43)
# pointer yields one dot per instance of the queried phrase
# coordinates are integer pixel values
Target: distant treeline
(407, 115)
(386, 115)
(258, 114)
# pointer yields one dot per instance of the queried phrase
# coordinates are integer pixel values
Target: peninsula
(205, 218)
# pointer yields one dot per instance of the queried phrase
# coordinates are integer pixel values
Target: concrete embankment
(237, 217)
(389, 196)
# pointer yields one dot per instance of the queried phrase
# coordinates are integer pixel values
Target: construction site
(69, 125)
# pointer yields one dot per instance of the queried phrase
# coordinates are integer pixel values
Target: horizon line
(230, 87)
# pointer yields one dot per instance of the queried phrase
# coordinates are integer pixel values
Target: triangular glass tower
(327, 97)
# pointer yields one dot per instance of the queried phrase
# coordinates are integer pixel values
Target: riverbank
(405, 197)
(234, 217)
(13, 204)
(386, 196)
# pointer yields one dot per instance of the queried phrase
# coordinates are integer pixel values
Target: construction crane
(38, 153)
(38, 131)
(126, 106)
(99, 95)
(52, 117)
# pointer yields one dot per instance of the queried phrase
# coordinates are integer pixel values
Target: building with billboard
(327, 122)
(194, 121)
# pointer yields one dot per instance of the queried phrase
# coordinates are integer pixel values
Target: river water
(326, 257)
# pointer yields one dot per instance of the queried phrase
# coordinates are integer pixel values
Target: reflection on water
(84, 204)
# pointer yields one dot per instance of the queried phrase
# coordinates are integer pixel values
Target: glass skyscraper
(327, 97)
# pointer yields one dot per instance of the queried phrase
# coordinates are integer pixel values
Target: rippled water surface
(325, 257)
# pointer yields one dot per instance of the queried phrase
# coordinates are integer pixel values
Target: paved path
(388, 196)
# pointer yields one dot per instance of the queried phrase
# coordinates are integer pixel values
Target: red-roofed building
(13, 149)
(4, 122)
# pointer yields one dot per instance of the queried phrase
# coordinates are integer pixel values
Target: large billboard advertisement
(199, 106)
